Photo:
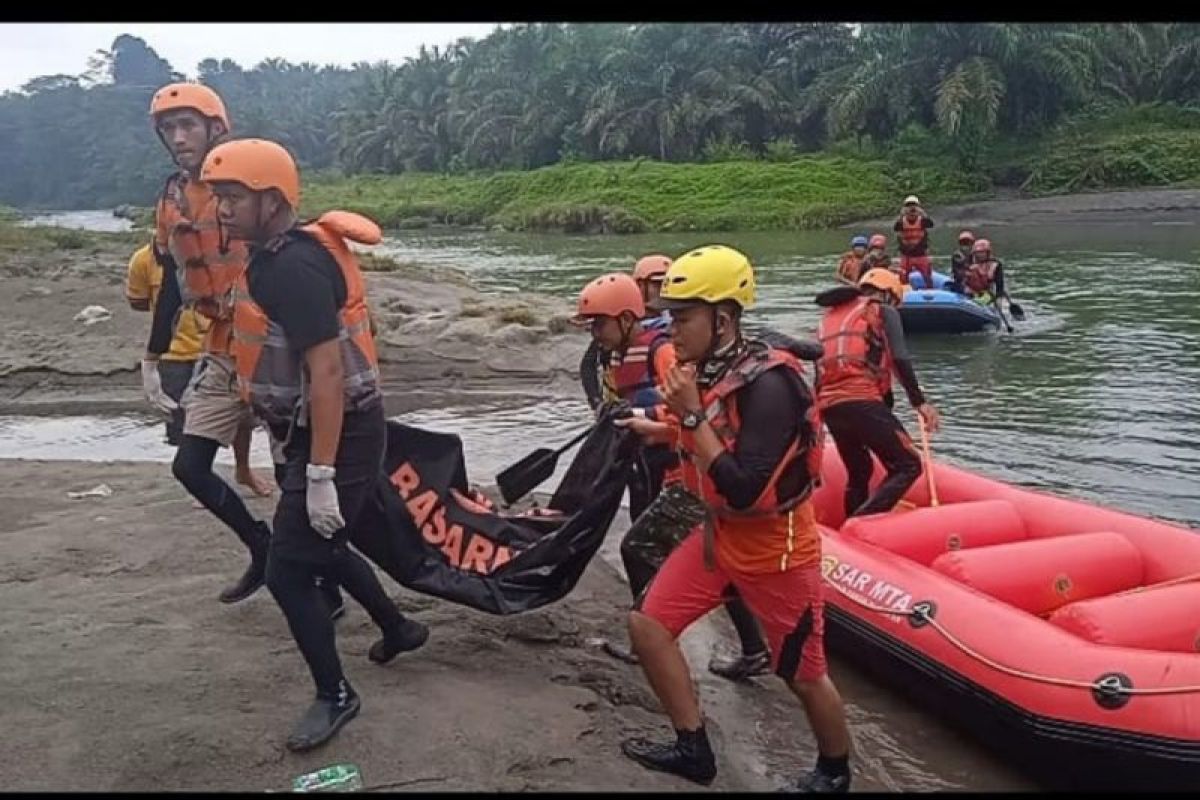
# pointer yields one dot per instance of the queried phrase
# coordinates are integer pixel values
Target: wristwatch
(691, 420)
(320, 472)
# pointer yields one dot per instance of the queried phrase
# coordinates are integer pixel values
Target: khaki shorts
(213, 407)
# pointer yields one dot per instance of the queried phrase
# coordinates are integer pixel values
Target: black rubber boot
(741, 667)
(255, 575)
(324, 718)
(820, 781)
(689, 756)
(408, 636)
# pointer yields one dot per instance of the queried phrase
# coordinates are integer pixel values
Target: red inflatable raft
(1063, 634)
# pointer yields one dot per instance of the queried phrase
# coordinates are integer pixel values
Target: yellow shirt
(142, 282)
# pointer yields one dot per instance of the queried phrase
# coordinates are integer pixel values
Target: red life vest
(207, 268)
(273, 376)
(980, 276)
(857, 363)
(720, 409)
(631, 375)
(911, 234)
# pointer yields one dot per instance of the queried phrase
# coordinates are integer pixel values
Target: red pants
(921, 264)
(789, 605)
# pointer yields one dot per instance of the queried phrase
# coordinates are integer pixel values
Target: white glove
(324, 513)
(152, 388)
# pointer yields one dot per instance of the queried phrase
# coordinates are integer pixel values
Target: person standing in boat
(863, 342)
(912, 236)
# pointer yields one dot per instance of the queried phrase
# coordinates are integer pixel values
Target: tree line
(530, 95)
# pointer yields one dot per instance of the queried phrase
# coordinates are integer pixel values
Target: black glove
(614, 410)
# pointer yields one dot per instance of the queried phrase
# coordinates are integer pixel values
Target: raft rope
(1107, 686)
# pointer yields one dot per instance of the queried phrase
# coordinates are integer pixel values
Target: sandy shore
(441, 340)
(1141, 207)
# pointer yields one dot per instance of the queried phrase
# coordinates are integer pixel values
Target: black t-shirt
(301, 287)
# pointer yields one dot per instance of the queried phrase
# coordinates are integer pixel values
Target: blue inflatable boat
(939, 310)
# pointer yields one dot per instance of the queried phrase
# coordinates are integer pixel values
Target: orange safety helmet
(981, 246)
(884, 280)
(651, 268)
(878, 240)
(257, 164)
(610, 295)
(189, 95)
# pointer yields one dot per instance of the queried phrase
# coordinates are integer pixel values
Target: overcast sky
(28, 50)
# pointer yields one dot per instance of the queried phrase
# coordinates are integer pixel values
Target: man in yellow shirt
(143, 281)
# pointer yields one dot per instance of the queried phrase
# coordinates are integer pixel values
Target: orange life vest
(631, 375)
(980, 276)
(850, 267)
(911, 234)
(720, 409)
(857, 363)
(207, 268)
(272, 376)
(804, 453)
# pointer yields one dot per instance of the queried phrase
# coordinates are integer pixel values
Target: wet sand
(124, 672)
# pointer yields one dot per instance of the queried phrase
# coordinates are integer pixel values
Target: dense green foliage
(786, 123)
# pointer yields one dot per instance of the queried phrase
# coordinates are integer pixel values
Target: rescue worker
(984, 277)
(199, 269)
(306, 363)
(743, 418)
(960, 260)
(851, 264)
(639, 359)
(876, 257)
(648, 273)
(863, 342)
(143, 282)
(912, 236)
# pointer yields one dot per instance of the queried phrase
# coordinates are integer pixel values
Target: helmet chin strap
(626, 334)
(717, 358)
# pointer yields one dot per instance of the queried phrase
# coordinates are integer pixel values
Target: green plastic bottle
(336, 778)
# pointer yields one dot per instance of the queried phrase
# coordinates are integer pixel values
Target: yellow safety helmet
(709, 274)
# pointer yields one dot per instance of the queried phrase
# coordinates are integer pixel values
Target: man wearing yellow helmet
(637, 361)
(199, 269)
(744, 425)
(306, 363)
(863, 342)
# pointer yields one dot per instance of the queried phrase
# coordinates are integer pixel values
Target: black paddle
(524, 476)
(1000, 311)
(1015, 309)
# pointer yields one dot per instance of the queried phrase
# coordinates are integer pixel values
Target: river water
(1095, 395)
